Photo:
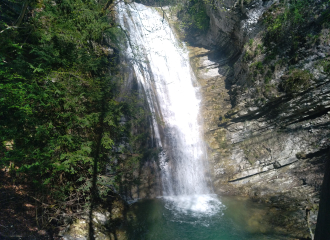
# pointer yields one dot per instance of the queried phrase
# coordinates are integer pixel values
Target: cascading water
(161, 65)
(187, 210)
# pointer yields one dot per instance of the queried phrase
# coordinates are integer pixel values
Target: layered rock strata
(266, 140)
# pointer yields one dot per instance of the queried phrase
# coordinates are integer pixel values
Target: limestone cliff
(264, 70)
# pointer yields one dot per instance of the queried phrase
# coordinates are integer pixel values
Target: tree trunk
(20, 18)
(322, 231)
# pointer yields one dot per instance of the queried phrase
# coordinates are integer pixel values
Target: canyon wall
(264, 72)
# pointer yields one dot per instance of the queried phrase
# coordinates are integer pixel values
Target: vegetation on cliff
(267, 111)
(66, 124)
(292, 30)
(193, 16)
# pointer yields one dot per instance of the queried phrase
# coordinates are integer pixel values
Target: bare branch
(8, 27)
(20, 18)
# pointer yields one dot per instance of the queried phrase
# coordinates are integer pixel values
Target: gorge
(186, 208)
(265, 104)
(165, 119)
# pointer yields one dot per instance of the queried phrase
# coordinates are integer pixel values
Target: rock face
(107, 223)
(266, 113)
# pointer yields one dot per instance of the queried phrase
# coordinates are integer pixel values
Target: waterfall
(162, 68)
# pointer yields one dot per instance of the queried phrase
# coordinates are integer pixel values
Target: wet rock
(105, 223)
(276, 164)
(301, 155)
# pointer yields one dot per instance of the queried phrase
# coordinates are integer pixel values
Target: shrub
(250, 42)
(297, 80)
(248, 55)
(194, 17)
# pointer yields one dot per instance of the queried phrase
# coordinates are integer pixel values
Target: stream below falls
(189, 219)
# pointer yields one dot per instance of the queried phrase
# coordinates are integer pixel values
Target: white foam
(202, 205)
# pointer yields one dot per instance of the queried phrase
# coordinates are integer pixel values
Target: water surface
(197, 218)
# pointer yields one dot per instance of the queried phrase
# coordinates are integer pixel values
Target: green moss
(268, 77)
(312, 39)
(270, 56)
(326, 17)
(267, 88)
(297, 80)
(293, 13)
(251, 42)
(194, 16)
(260, 48)
(257, 67)
(250, 155)
(221, 139)
(326, 65)
(248, 55)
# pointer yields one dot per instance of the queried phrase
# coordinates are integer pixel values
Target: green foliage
(260, 48)
(312, 38)
(268, 77)
(248, 55)
(291, 25)
(59, 92)
(326, 66)
(251, 42)
(258, 67)
(267, 80)
(194, 16)
(292, 16)
(297, 80)
(326, 16)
